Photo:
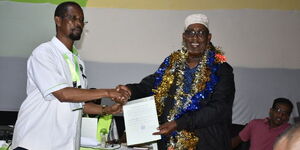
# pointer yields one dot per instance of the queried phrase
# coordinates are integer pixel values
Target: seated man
(262, 133)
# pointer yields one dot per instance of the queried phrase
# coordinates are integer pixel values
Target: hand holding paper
(166, 128)
(141, 121)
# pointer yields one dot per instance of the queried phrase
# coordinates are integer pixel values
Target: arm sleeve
(44, 72)
(245, 134)
(218, 107)
(142, 89)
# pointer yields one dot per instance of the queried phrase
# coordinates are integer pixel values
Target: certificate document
(141, 121)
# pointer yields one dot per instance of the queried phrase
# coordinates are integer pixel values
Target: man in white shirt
(50, 116)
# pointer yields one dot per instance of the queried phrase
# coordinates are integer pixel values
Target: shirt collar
(62, 47)
(284, 125)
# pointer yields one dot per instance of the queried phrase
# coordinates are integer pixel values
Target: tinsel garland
(203, 84)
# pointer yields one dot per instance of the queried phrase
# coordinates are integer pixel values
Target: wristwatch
(103, 110)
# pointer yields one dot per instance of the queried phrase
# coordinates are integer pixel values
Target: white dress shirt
(45, 123)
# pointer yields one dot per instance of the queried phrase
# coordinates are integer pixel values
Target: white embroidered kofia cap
(196, 18)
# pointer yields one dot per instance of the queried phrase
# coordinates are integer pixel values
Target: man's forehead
(196, 25)
(73, 9)
(283, 106)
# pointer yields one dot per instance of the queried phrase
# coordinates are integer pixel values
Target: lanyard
(75, 73)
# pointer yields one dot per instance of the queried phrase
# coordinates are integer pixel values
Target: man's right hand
(124, 88)
(119, 96)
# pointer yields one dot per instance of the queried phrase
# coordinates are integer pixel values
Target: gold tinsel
(184, 140)
(162, 91)
(188, 140)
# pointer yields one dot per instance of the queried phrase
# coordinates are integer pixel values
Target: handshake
(120, 96)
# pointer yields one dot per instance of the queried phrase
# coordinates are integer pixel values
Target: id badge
(76, 106)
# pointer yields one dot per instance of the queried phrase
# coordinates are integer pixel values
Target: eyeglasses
(74, 19)
(279, 110)
(192, 33)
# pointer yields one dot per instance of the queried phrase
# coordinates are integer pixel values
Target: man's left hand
(166, 128)
(114, 109)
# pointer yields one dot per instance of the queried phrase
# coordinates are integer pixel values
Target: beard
(75, 35)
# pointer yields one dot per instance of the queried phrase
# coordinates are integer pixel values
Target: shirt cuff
(48, 93)
(181, 124)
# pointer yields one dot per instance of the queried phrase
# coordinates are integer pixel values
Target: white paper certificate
(141, 121)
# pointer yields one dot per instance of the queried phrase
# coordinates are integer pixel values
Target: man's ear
(209, 37)
(183, 37)
(57, 21)
(270, 111)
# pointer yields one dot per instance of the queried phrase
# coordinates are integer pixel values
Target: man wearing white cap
(194, 91)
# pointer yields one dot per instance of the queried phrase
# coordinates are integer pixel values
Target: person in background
(50, 116)
(194, 91)
(262, 133)
(289, 140)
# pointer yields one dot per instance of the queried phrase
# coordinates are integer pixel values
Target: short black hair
(62, 8)
(282, 100)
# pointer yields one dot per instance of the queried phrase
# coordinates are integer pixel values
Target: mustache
(77, 28)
